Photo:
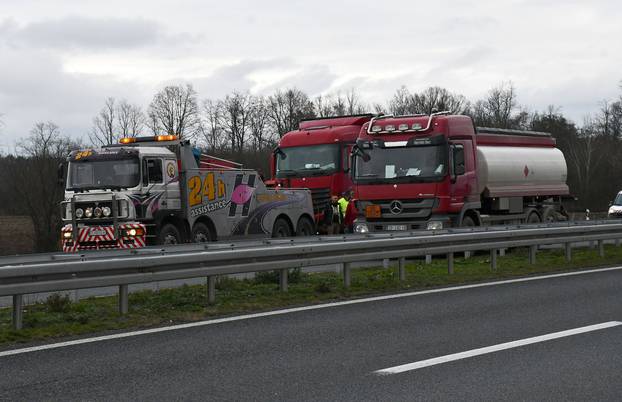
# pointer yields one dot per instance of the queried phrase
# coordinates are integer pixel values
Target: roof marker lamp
(403, 127)
(390, 128)
(376, 129)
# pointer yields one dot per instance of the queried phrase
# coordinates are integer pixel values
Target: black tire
(467, 222)
(305, 227)
(201, 233)
(281, 228)
(549, 215)
(534, 218)
(169, 234)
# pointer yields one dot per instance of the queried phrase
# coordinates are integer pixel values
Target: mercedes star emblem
(396, 207)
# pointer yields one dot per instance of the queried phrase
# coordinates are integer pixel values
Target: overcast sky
(59, 59)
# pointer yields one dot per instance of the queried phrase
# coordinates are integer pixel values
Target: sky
(60, 59)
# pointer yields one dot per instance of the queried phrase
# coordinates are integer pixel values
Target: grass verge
(58, 317)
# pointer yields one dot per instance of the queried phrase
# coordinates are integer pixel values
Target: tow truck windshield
(403, 164)
(307, 160)
(103, 174)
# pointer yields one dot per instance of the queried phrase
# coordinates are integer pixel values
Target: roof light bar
(131, 140)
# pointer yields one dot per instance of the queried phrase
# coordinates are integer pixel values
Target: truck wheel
(281, 228)
(201, 233)
(549, 215)
(467, 222)
(169, 234)
(533, 218)
(305, 227)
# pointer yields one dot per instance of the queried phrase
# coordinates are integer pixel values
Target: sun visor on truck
(411, 142)
(90, 155)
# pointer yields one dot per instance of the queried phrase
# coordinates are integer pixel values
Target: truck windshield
(409, 164)
(308, 160)
(118, 173)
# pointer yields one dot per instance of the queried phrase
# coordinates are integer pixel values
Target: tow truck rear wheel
(281, 228)
(169, 234)
(467, 222)
(201, 233)
(534, 218)
(305, 227)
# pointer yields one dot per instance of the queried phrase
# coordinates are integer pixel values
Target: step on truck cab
(160, 190)
(317, 157)
(437, 171)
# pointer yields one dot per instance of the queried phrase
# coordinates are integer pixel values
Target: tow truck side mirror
(60, 172)
(356, 151)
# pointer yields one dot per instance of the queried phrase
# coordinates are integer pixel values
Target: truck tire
(305, 227)
(467, 222)
(534, 218)
(549, 215)
(169, 234)
(281, 228)
(201, 233)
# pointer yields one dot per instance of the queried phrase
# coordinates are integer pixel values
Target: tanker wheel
(467, 222)
(169, 234)
(534, 218)
(305, 227)
(549, 215)
(281, 228)
(201, 233)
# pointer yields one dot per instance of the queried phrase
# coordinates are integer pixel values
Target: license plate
(396, 227)
(97, 232)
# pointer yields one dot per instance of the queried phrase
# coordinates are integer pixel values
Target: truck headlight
(67, 235)
(106, 211)
(88, 212)
(361, 228)
(79, 213)
(98, 212)
(435, 225)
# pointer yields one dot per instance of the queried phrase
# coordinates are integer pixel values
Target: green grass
(58, 317)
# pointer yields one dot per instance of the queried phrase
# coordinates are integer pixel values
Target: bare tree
(130, 119)
(322, 106)
(235, 119)
(401, 102)
(103, 131)
(259, 123)
(211, 129)
(175, 110)
(33, 179)
(287, 108)
(432, 99)
(496, 110)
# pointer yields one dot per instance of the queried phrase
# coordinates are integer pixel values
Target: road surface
(556, 338)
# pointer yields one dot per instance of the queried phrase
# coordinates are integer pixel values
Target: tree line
(246, 127)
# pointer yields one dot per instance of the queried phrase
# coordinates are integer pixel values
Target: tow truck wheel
(534, 218)
(305, 227)
(281, 228)
(201, 233)
(169, 234)
(467, 222)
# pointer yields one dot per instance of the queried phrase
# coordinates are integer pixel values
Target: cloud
(86, 33)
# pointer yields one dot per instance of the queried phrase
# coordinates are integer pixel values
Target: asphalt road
(332, 353)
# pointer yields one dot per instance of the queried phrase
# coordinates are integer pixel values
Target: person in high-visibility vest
(344, 200)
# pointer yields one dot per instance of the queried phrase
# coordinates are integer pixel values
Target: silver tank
(507, 171)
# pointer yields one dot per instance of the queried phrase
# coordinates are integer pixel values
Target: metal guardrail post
(402, 268)
(493, 259)
(18, 312)
(347, 278)
(568, 247)
(123, 299)
(450, 263)
(618, 242)
(428, 258)
(385, 263)
(467, 255)
(501, 252)
(211, 289)
(532, 254)
(283, 280)
(601, 248)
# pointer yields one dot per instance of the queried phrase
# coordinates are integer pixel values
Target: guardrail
(57, 272)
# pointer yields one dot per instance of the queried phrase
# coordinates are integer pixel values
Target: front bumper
(432, 223)
(102, 237)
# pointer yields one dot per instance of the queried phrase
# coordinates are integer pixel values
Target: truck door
(154, 188)
(463, 178)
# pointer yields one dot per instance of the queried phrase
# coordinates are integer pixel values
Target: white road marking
(295, 310)
(495, 348)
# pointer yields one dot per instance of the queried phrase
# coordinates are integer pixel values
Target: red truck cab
(317, 157)
(418, 172)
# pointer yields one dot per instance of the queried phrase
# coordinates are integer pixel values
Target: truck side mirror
(278, 151)
(60, 172)
(356, 151)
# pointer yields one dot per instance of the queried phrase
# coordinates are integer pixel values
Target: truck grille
(321, 198)
(419, 208)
